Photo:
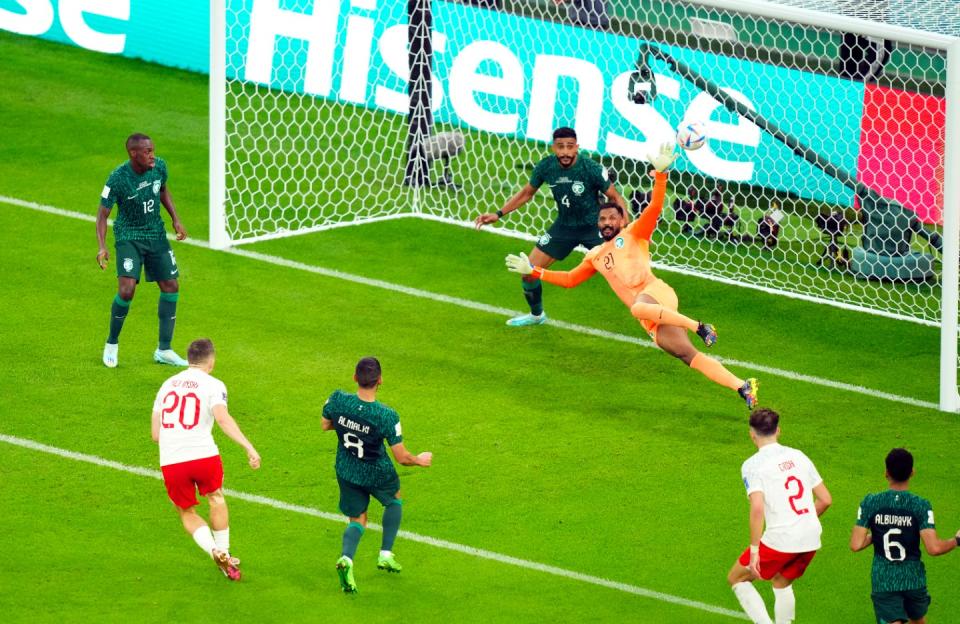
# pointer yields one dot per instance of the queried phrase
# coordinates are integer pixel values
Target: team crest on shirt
(128, 264)
(578, 188)
(544, 240)
(156, 186)
(618, 243)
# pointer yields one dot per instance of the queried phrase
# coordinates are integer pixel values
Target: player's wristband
(754, 550)
(537, 272)
(499, 214)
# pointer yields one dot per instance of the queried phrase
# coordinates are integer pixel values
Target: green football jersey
(895, 519)
(361, 429)
(138, 198)
(575, 188)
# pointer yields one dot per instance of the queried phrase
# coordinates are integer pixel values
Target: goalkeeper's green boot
(345, 572)
(749, 391)
(528, 319)
(388, 563)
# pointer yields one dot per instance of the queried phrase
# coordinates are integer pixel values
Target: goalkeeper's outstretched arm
(661, 161)
(568, 279)
(647, 221)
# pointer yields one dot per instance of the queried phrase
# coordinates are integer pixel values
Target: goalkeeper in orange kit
(624, 260)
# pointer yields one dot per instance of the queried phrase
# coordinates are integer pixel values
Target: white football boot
(110, 355)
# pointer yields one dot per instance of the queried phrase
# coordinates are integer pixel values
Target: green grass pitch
(591, 455)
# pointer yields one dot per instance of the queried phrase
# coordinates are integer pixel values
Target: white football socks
(204, 539)
(752, 603)
(222, 539)
(785, 605)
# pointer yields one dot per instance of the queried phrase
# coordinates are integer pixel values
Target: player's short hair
(899, 464)
(136, 137)
(368, 372)
(612, 206)
(764, 421)
(564, 133)
(200, 351)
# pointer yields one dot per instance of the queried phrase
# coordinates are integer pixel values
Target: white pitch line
(413, 537)
(502, 312)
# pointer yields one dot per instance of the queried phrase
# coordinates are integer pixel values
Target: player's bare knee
(186, 511)
(169, 286)
(738, 574)
(126, 292)
(780, 582)
(216, 498)
(361, 519)
(529, 279)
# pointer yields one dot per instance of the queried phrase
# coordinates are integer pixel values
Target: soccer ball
(691, 135)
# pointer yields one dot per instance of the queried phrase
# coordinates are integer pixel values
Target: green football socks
(118, 314)
(167, 313)
(351, 539)
(533, 292)
(392, 514)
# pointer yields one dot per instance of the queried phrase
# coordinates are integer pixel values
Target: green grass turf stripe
(505, 312)
(414, 537)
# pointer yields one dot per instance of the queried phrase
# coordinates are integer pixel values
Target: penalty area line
(498, 311)
(413, 537)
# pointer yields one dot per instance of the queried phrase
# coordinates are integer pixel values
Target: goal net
(823, 175)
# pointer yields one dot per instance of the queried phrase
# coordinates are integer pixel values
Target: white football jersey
(786, 477)
(185, 403)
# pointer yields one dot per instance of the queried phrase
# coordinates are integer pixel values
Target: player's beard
(609, 233)
(566, 161)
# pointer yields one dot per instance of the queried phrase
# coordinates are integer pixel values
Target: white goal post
(830, 123)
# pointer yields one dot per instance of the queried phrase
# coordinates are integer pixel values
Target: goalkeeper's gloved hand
(662, 159)
(519, 264)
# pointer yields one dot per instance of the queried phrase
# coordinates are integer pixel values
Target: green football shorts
(560, 240)
(354, 499)
(900, 606)
(153, 255)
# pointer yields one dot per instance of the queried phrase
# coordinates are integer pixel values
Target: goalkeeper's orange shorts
(664, 295)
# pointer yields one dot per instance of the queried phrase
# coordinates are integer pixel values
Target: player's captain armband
(537, 272)
(105, 193)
